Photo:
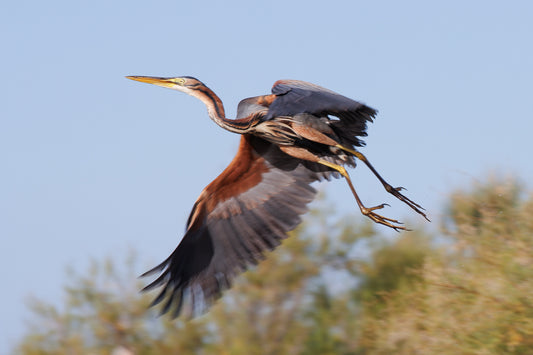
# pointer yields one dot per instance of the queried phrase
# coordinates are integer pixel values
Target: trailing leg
(304, 154)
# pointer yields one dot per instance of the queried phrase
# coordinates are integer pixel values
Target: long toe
(389, 222)
(368, 210)
(415, 206)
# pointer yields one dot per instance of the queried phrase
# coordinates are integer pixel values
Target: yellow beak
(164, 82)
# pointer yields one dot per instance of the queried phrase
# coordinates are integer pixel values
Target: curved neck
(215, 110)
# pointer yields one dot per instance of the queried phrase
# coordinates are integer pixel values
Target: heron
(298, 134)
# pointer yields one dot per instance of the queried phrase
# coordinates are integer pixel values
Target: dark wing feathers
(227, 234)
(352, 125)
(294, 97)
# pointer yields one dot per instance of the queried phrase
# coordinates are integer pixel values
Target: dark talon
(415, 206)
(378, 207)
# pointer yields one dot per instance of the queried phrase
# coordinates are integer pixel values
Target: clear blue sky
(93, 164)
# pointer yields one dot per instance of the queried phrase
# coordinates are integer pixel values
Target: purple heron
(299, 134)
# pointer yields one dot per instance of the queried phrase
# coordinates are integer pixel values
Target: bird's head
(193, 87)
(186, 84)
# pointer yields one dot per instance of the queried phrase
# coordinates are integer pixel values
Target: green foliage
(103, 311)
(472, 298)
(465, 291)
(267, 311)
(392, 267)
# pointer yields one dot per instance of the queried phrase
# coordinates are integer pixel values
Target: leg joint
(334, 166)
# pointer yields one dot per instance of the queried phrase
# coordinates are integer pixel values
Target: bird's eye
(178, 81)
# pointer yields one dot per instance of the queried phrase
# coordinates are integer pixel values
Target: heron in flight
(298, 134)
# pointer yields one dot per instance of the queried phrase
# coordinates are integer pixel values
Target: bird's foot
(389, 222)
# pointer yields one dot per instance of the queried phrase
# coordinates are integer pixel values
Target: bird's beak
(164, 82)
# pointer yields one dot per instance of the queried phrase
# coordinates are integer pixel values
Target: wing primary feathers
(168, 304)
(160, 297)
(179, 305)
(156, 269)
(157, 282)
(264, 193)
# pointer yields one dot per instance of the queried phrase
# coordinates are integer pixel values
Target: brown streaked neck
(215, 110)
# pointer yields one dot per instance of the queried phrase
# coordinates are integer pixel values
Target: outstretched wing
(291, 97)
(295, 96)
(244, 212)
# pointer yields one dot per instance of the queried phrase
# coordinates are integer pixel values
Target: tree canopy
(464, 290)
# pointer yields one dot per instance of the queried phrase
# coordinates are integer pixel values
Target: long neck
(215, 110)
